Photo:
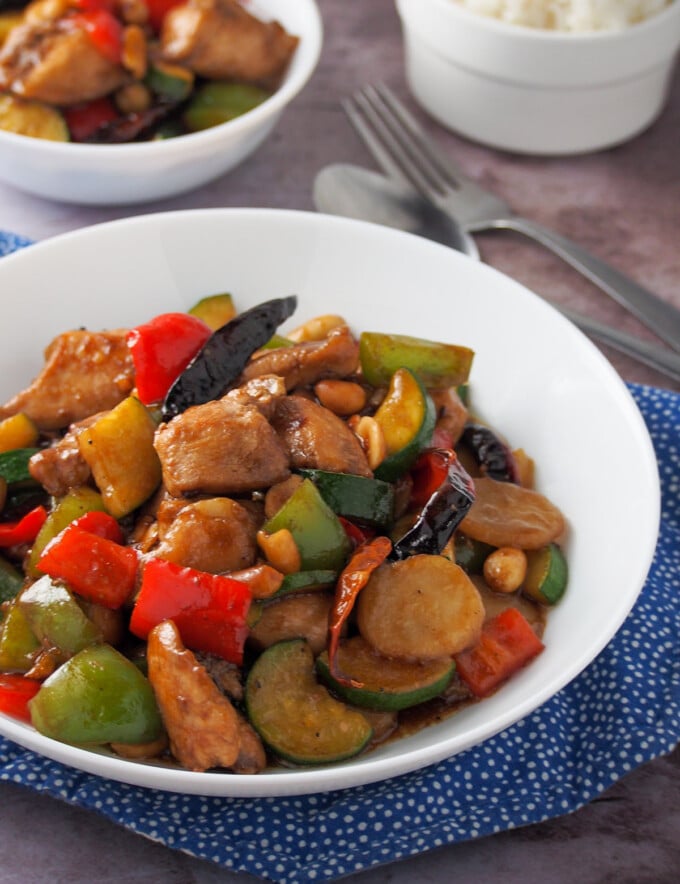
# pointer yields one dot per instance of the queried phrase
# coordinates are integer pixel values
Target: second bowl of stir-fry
(267, 529)
(123, 101)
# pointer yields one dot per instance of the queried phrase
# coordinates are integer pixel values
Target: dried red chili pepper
(351, 581)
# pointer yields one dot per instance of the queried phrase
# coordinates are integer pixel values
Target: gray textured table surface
(624, 205)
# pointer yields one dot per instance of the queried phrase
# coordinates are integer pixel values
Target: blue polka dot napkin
(622, 711)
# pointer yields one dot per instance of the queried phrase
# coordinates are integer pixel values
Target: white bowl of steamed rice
(545, 77)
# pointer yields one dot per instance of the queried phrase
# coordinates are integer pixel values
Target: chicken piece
(220, 448)
(212, 535)
(226, 675)
(57, 62)
(303, 615)
(85, 372)
(262, 392)
(61, 466)
(452, 414)
(315, 438)
(304, 364)
(220, 40)
(204, 729)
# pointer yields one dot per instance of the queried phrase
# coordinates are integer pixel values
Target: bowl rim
(285, 782)
(526, 32)
(295, 79)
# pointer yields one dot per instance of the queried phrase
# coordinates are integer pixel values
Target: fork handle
(659, 358)
(658, 315)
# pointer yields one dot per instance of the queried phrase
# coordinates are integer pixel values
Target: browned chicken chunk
(304, 364)
(204, 729)
(56, 62)
(84, 373)
(262, 392)
(213, 535)
(61, 466)
(315, 438)
(220, 40)
(452, 413)
(220, 448)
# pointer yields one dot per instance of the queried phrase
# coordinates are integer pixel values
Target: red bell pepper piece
(158, 9)
(507, 643)
(108, 5)
(429, 473)
(351, 581)
(161, 350)
(15, 692)
(83, 120)
(103, 29)
(23, 531)
(94, 567)
(100, 523)
(356, 534)
(208, 609)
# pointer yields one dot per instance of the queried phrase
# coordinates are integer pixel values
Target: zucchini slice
(370, 501)
(437, 365)
(219, 101)
(14, 465)
(471, 554)
(388, 684)
(17, 431)
(407, 418)
(11, 581)
(170, 81)
(294, 715)
(214, 310)
(32, 118)
(547, 575)
(306, 581)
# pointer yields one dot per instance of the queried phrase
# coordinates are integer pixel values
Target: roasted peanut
(505, 569)
(280, 550)
(133, 98)
(370, 434)
(315, 329)
(133, 55)
(340, 397)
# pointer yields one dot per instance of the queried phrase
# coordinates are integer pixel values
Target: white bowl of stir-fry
(300, 504)
(126, 101)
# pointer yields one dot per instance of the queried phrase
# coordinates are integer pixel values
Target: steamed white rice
(568, 15)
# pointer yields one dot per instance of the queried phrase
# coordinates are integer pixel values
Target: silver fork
(403, 149)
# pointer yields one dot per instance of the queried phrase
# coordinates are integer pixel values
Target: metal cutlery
(354, 192)
(403, 149)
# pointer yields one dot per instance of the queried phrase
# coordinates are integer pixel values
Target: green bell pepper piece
(317, 531)
(68, 508)
(98, 696)
(56, 618)
(18, 644)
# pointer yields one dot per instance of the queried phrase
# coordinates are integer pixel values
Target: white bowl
(122, 174)
(535, 377)
(537, 91)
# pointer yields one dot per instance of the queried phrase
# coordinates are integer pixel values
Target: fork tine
(379, 140)
(382, 156)
(444, 166)
(399, 142)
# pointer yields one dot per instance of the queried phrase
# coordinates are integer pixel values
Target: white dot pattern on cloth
(622, 711)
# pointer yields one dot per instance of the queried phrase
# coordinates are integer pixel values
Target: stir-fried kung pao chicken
(114, 71)
(226, 547)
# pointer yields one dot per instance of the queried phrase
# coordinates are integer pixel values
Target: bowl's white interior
(535, 377)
